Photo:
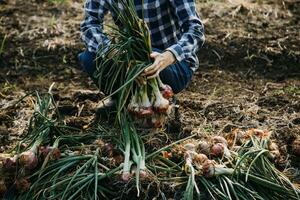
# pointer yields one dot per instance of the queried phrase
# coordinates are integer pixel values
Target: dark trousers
(177, 75)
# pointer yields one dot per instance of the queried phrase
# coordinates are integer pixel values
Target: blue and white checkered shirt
(174, 26)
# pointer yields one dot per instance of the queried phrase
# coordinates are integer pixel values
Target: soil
(249, 73)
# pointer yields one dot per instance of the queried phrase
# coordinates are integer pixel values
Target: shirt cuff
(177, 51)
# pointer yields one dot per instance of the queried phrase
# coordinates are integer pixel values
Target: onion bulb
(55, 152)
(10, 163)
(22, 184)
(219, 139)
(126, 176)
(220, 150)
(190, 147)
(203, 147)
(199, 159)
(259, 133)
(208, 168)
(217, 150)
(28, 159)
(133, 106)
(296, 147)
(165, 89)
(273, 146)
(161, 105)
(145, 108)
(158, 120)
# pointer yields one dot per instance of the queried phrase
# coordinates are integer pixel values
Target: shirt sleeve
(191, 28)
(92, 26)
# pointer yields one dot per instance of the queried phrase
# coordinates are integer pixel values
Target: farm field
(249, 76)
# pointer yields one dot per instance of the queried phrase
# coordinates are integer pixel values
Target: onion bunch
(151, 103)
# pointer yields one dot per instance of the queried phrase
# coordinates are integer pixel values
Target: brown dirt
(249, 74)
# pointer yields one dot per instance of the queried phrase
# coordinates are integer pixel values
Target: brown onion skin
(203, 147)
(108, 150)
(10, 163)
(157, 121)
(296, 147)
(273, 146)
(117, 160)
(219, 139)
(162, 109)
(200, 158)
(208, 168)
(258, 133)
(56, 154)
(22, 184)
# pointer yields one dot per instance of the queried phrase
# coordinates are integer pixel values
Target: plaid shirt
(174, 25)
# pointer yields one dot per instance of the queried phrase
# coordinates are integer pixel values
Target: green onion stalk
(134, 153)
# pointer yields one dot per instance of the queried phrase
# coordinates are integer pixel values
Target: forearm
(92, 27)
(192, 29)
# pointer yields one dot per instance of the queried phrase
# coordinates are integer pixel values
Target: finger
(153, 70)
(154, 75)
(152, 67)
(154, 54)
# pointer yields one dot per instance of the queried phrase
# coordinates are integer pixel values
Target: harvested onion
(10, 163)
(22, 184)
(165, 89)
(219, 139)
(296, 147)
(28, 159)
(203, 147)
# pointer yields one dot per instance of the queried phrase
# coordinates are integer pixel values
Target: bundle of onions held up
(123, 61)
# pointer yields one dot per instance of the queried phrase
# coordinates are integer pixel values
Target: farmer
(176, 35)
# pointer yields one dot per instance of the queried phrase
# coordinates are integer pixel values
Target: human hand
(161, 61)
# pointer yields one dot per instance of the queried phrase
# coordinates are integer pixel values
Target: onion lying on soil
(22, 184)
(55, 152)
(203, 147)
(29, 159)
(10, 163)
(219, 139)
(219, 150)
